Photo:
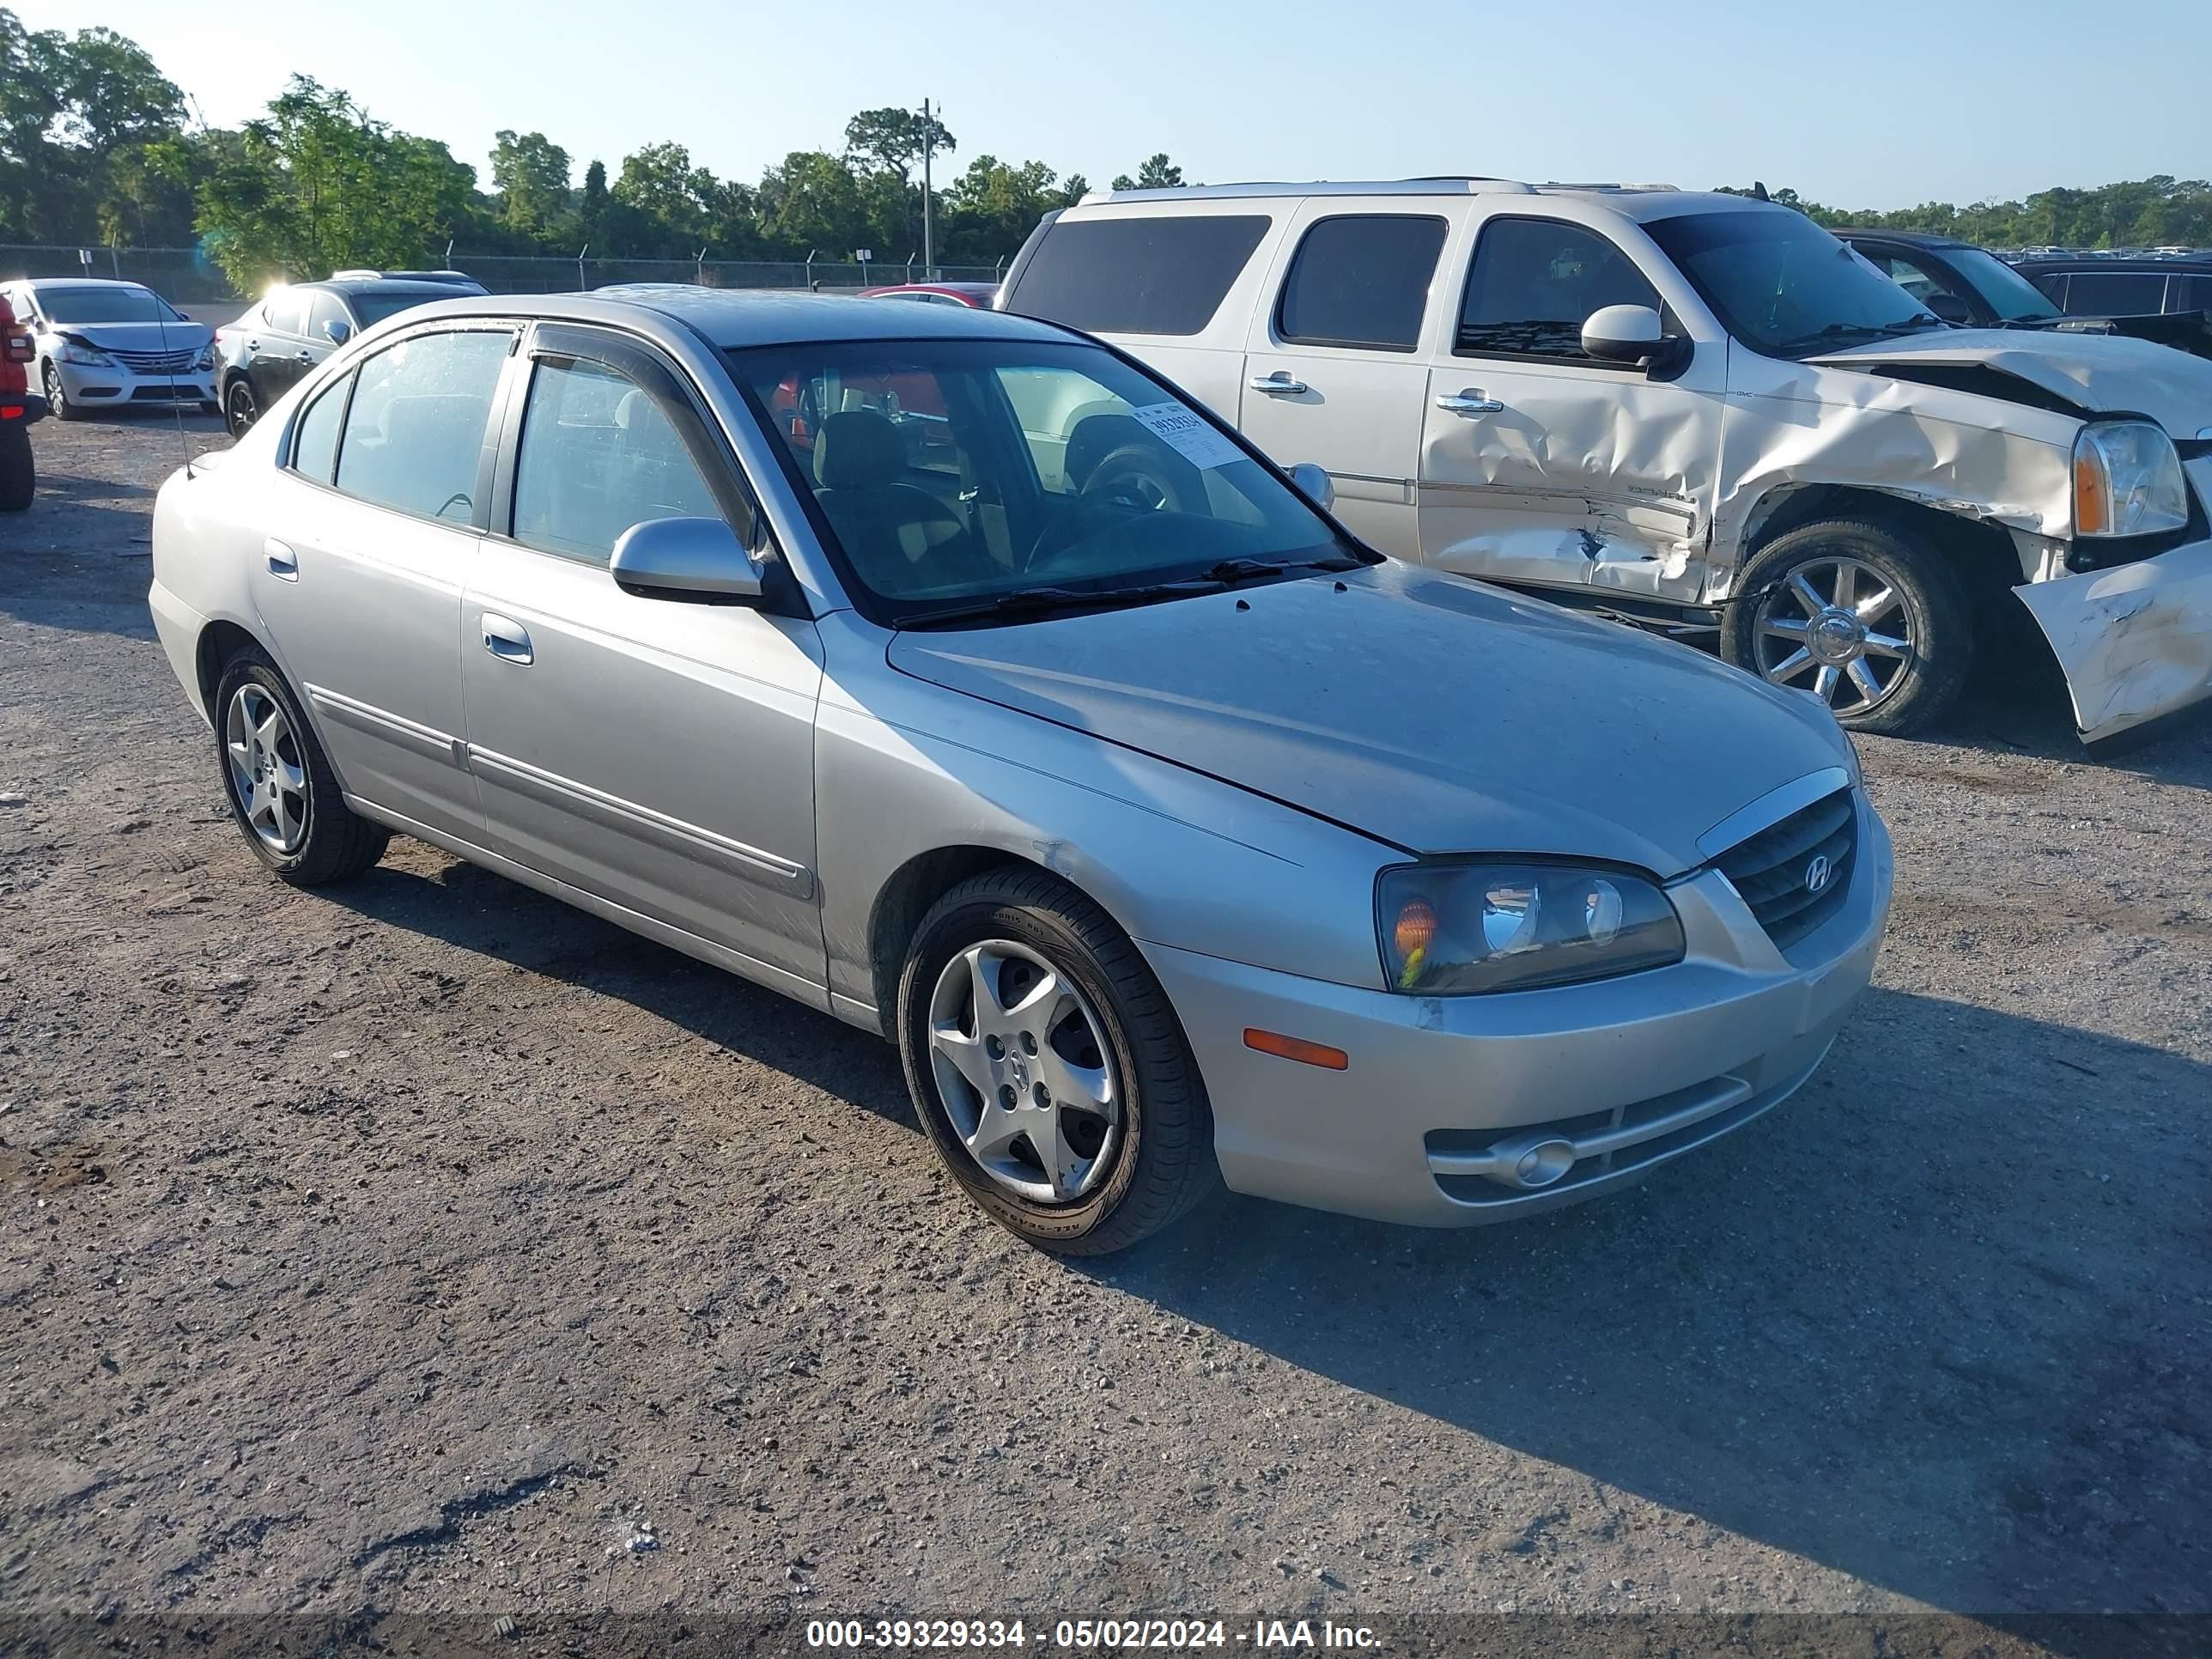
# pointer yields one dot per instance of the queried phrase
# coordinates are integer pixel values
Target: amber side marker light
(1297, 1048)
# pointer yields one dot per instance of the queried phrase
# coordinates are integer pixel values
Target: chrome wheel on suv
(1837, 626)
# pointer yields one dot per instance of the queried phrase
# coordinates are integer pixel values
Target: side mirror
(1951, 308)
(338, 329)
(184, 316)
(698, 559)
(1314, 484)
(1631, 336)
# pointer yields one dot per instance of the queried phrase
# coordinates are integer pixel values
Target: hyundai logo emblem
(1816, 874)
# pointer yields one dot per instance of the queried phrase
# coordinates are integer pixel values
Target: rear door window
(415, 431)
(315, 440)
(1535, 282)
(285, 312)
(1164, 275)
(2115, 293)
(1361, 279)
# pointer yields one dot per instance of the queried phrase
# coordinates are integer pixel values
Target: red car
(976, 297)
(19, 408)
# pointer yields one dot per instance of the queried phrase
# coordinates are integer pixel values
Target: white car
(1698, 411)
(105, 344)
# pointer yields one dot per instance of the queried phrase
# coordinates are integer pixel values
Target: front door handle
(283, 562)
(306, 356)
(507, 640)
(1470, 402)
(1279, 383)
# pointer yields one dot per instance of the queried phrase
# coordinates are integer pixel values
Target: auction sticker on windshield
(1188, 435)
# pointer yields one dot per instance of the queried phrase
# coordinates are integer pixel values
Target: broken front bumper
(2134, 641)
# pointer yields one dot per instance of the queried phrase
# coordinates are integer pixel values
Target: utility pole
(928, 238)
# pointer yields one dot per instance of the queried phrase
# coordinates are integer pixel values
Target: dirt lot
(421, 1245)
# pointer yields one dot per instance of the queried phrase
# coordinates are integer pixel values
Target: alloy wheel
(1022, 1068)
(240, 410)
(57, 399)
(1840, 627)
(267, 771)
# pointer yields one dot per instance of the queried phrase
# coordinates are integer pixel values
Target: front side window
(1162, 275)
(1533, 284)
(598, 455)
(1784, 286)
(1361, 279)
(328, 309)
(994, 476)
(415, 431)
(2115, 293)
(122, 303)
(315, 442)
(1915, 280)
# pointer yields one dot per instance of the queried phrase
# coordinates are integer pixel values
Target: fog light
(1544, 1163)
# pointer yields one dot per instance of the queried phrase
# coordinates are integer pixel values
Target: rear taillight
(19, 349)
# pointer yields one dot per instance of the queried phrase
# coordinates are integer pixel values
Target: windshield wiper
(1034, 601)
(1836, 333)
(1238, 570)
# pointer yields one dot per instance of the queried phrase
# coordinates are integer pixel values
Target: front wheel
(279, 782)
(58, 401)
(19, 473)
(1870, 618)
(240, 409)
(1048, 1068)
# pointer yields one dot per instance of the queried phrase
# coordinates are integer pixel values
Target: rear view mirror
(338, 329)
(698, 559)
(1631, 336)
(1314, 484)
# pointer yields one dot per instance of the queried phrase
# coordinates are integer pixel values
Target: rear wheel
(240, 408)
(19, 473)
(1869, 616)
(1048, 1068)
(279, 783)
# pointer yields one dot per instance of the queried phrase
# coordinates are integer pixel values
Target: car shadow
(1938, 1323)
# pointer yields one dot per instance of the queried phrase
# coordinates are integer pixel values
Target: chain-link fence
(184, 274)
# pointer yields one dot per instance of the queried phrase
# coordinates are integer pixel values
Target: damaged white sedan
(1701, 412)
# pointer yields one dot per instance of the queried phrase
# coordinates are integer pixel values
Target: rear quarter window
(1164, 275)
(2115, 293)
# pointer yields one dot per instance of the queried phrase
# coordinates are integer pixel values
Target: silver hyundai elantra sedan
(950, 672)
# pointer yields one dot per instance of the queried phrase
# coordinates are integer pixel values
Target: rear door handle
(283, 562)
(306, 356)
(1279, 383)
(507, 640)
(1470, 402)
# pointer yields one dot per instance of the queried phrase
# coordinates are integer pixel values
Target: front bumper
(1631, 1073)
(2135, 640)
(93, 385)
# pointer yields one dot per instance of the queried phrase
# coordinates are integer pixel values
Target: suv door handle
(507, 640)
(283, 562)
(306, 355)
(1278, 383)
(1470, 402)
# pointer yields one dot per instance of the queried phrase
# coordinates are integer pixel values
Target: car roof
(76, 282)
(1639, 202)
(732, 318)
(1908, 238)
(383, 285)
(2073, 262)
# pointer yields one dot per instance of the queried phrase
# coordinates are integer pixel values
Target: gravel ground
(425, 1246)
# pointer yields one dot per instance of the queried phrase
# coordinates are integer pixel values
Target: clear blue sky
(1875, 104)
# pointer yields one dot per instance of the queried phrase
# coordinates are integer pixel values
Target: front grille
(155, 363)
(1773, 871)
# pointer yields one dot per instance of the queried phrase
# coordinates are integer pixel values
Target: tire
(57, 403)
(19, 471)
(1155, 1162)
(333, 842)
(242, 406)
(1900, 588)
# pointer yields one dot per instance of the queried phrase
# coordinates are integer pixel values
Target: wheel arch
(219, 642)
(1989, 562)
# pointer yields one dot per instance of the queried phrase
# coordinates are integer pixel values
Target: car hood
(138, 337)
(2099, 373)
(1429, 712)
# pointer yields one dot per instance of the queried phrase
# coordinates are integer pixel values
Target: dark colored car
(264, 353)
(19, 407)
(976, 296)
(2146, 299)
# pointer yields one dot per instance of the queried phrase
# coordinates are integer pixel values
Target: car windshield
(1782, 285)
(373, 307)
(2010, 294)
(975, 478)
(92, 304)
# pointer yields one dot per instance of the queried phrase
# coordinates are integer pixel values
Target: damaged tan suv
(1700, 412)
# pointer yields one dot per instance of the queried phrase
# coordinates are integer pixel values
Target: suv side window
(2115, 293)
(415, 431)
(597, 455)
(1361, 279)
(1535, 282)
(1137, 276)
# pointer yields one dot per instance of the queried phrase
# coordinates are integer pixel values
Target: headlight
(1511, 925)
(207, 359)
(88, 356)
(2127, 481)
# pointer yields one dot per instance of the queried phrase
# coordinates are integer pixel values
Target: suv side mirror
(1631, 336)
(698, 559)
(338, 329)
(1314, 484)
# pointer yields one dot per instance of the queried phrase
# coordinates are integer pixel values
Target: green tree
(812, 203)
(1157, 173)
(531, 173)
(672, 206)
(74, 109)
